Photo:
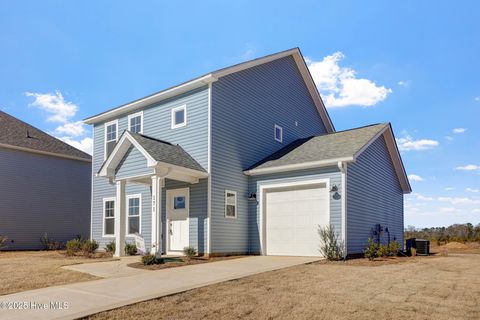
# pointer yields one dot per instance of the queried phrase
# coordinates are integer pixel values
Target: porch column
(157, 184)
(120, 220)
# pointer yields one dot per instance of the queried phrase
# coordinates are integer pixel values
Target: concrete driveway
(81, 299)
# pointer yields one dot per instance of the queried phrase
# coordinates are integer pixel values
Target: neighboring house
(45, 186)
(242, 160)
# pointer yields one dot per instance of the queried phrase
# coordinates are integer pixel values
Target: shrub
(73, 246)
(49, 243)
(110, 247)
(383, 251)
(130, 249)
(3, 241)
(150, 259)
(371, 251)
(189, 252)
(393, 248)
(88, 246)
(331, 247)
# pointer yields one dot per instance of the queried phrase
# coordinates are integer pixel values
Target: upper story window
(111, 136)
(230, 204)
(135, 122)
(179, 117)
(278, 133)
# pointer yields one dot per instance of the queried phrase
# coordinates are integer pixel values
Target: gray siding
(40, 193)
(331, 173)
(245, 107)
(133, 164)
(157, 124)
(374, 197)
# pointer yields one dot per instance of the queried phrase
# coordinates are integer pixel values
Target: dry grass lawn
(436, 287)
(180, 262)
(26, 270)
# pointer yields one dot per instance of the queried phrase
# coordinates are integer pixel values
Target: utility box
(421, 247)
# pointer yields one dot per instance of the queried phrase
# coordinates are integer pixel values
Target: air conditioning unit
(423, 247)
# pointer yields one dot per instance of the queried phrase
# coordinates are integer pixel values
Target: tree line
(456, 232)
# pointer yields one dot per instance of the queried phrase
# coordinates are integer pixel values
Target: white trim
(105, 125)
(343, 169)
(168, 194)
(134, 115)
(275, 127)
(297, 166)
(212, 77)
(281, 183)
(209, 169)
(114, 199)
(127, 216)
(172, 116)
(92, 178)
(29, 150)
(225, 206)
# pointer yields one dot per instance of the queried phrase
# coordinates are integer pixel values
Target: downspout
(343, 169)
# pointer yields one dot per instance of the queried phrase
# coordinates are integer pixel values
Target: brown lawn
(180, 261)
(26, 270)
(435, 287)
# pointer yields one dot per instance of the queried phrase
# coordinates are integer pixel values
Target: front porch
(160, 209)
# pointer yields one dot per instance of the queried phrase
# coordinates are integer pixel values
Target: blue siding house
(244, 159)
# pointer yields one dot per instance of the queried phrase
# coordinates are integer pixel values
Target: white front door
(292, 219)
(177, 219)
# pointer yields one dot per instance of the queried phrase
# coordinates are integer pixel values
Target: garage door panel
(292, 219)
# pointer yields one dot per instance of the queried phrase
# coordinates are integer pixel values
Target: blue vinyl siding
(374, 196)
(133, 164)
(245, 107)
(41, 193)
(193, 138)
(331, 173)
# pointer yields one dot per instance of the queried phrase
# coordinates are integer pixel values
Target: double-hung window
(230, 204)
(179, 117)
(134, 211)
(111, 136)
(108, 217)
(135, 122)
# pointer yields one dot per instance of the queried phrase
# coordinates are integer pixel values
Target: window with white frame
(108, 217)
(179, 117)
(134, 204)
(230, 204)
(135, 122)
(278, 133)
(111, 136)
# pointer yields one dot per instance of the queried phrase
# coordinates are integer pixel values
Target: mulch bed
(172, 262)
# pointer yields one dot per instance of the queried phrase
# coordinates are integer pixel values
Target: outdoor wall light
(252, 196)
(334, 188)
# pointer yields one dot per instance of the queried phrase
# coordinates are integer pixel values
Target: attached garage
(292, 214)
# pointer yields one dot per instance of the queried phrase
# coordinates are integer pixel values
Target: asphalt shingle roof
(324, 147)
(166, 152)
(17, 133)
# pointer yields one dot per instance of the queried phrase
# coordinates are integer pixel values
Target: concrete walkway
(85, 298)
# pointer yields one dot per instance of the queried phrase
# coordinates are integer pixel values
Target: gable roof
(212, 77)
(17, 134)
(166, 152)
(170, 160)
(329, 149)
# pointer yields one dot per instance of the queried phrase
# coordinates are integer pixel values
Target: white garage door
(292, 219)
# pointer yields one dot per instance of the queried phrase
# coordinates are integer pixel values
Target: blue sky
(413, 64)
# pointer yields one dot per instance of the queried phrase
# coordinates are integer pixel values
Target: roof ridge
(352, 129)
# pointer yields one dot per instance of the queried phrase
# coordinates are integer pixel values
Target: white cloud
(449, 138)
(449, 188)
(421, 197)
(468, 167)
(404, 83)
(407, 143)
(458, 200)
(55, 104)
(459, 130)
(415, 177)
(477, 98)
(448, 209)
(74, 129)
(475, 211)
(85, 144)
(340, 87)
(472, 190)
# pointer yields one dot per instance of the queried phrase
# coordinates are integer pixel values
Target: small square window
(135, 122)
(179, 202)
(278, 133)
(230, 204)
(179, 117)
